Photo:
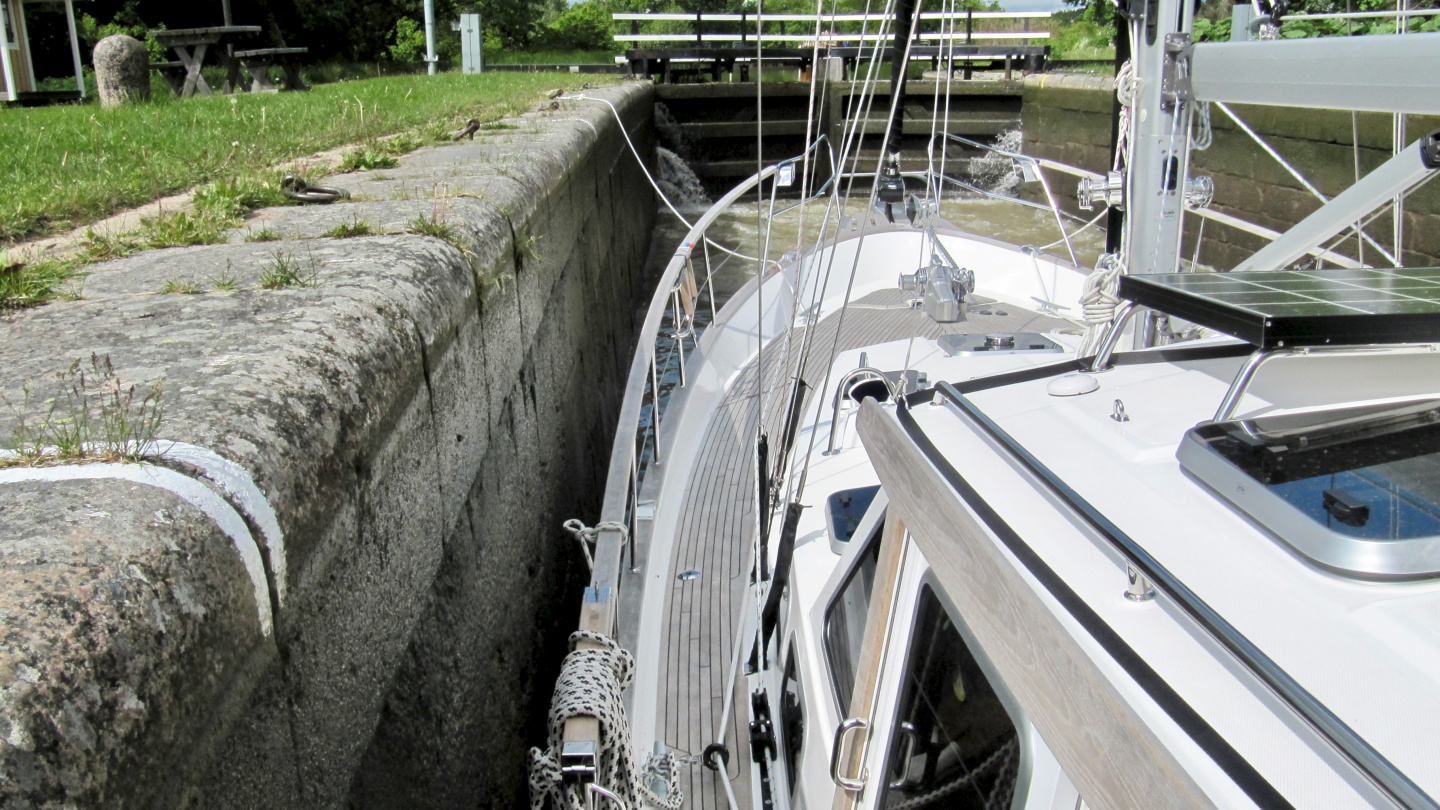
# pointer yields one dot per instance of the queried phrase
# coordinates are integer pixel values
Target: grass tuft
(95, 416)
(235, 197)
(263, 235)
(28, 284)
(345, 230)
(403, 143)
(181, 229)
(175, 286)
(365, 159)
(225, 281)
(286, 271)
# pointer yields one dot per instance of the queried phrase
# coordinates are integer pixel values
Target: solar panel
(1338, 307)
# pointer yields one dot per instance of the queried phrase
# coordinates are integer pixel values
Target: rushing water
(679, 182)
(997, 173)
(668, 130)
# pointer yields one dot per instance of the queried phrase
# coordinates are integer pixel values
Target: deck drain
(686, 576)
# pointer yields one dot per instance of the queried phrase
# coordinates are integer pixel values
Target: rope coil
(1100, 297)
(592, 684)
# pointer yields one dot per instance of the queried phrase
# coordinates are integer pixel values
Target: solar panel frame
(1289, 308)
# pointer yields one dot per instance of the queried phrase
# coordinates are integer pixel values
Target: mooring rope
(592, 684)
(587, 536)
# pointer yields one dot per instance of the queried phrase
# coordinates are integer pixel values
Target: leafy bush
(583, 26)
(92, 31)
(409, 41)
(1212, 30)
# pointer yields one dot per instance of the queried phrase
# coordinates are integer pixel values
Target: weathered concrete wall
(1067, 118)
(420, 414)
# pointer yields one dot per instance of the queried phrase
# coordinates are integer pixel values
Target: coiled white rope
(1202, 136)
(1099, 298)
(592, 683)
(589, 535)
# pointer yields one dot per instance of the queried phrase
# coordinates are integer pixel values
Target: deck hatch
(1357, 489)
(1336, 307)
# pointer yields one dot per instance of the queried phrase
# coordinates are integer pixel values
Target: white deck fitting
(717, 522)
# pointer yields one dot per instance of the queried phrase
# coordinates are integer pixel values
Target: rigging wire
(855, 265)
(656, 186)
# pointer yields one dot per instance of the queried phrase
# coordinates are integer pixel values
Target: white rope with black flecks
(591, 684)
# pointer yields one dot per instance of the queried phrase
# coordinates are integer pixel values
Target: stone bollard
(122, 70)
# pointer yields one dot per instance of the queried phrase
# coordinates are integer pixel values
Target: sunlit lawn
(61, 167)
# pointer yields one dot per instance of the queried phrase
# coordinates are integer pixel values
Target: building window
(954, 744)
(12, 32)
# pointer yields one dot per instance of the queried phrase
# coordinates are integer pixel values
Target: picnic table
(191, 44)
(258, 63)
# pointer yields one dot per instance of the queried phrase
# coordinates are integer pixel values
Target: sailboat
(930, 519)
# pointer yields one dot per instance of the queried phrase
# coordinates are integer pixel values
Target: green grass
(366, 158)
(95, 416)
(345, 230)
(62, 167)
(551, 58)
(286, 271)
(263, 235)
(34, 283)
(175, 286)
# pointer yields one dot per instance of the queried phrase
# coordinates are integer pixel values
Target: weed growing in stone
(402, 143)
(94, 416)
(494, 125)
(226, 281)
(263, 235)
(181, 229)
(175, 286)
(28, 284)
(286, 271)
(365, 159)
(346, 230)
(527, 245)
(237, 196)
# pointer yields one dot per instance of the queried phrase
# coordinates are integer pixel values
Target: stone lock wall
(1067, 118)
(343, 583)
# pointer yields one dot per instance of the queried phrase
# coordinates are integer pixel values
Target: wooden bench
(173, 73)
(258, 62)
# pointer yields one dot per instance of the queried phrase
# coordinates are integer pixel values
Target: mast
(1160, 145)
(904, 14)
(1115, 214)
(890, 191)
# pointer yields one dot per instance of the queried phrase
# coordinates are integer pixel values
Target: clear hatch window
(1356, 489)
(954, 745)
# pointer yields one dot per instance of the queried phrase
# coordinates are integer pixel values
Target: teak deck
(717, 526)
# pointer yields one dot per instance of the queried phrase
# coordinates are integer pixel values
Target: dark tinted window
(845, 620)
(954, 745)
(792, 721)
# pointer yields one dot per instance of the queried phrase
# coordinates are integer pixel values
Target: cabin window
(954, 745)
(845, 620)
(792, 721)
(7, 7)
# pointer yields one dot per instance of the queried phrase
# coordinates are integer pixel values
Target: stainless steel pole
(430, 35)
